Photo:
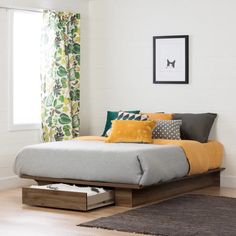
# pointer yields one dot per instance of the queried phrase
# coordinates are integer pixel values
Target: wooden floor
(18, 219)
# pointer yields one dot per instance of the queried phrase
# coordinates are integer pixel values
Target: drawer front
(65, 199)
(54, 198)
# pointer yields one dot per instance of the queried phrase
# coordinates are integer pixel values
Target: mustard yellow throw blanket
(201, 156)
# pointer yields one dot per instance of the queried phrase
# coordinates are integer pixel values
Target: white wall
(120, 73)
(11, 142)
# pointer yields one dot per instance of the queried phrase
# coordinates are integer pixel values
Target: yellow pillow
(159, 116)
(131, 131)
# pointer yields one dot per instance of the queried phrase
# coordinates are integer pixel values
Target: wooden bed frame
(131, 195)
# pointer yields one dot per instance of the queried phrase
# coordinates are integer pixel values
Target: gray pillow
(167, 129)
(195, 126)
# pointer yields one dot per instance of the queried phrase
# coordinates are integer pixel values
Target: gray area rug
(182, 216)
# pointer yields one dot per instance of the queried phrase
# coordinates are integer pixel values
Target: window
(25, 69)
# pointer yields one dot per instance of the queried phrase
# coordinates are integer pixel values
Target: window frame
(10, 35)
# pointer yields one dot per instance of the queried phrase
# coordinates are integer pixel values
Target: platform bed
(131, 195)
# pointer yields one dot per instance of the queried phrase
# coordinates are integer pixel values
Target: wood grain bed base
(131, 195)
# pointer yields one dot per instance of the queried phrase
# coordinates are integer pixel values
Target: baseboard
(14, 182)
(228, 181)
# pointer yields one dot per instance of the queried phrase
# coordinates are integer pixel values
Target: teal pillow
(112, 115)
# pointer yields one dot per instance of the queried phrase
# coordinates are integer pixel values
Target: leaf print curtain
(60, 75)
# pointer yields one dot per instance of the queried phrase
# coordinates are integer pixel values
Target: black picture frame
(168, 75)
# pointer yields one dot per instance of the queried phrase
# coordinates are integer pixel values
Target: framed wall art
(171, 59)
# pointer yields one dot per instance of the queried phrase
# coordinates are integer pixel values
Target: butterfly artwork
(171, 59)
(170, 64)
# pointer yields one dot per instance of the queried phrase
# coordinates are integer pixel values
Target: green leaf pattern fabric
(60, 76)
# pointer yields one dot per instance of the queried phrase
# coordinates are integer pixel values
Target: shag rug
(182, 216)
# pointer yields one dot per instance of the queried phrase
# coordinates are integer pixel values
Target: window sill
(24, 127)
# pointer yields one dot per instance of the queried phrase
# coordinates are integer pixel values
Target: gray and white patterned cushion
(167, 129)
(128, 116)
(131, 116)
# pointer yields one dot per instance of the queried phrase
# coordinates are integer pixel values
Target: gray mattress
(143, 164)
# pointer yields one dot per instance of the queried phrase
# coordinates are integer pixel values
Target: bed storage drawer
(66, 199)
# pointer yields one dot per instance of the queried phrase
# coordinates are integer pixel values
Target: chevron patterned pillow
(128, 116)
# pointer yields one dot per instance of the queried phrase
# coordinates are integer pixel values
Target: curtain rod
(21, 9)
(31, 9)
